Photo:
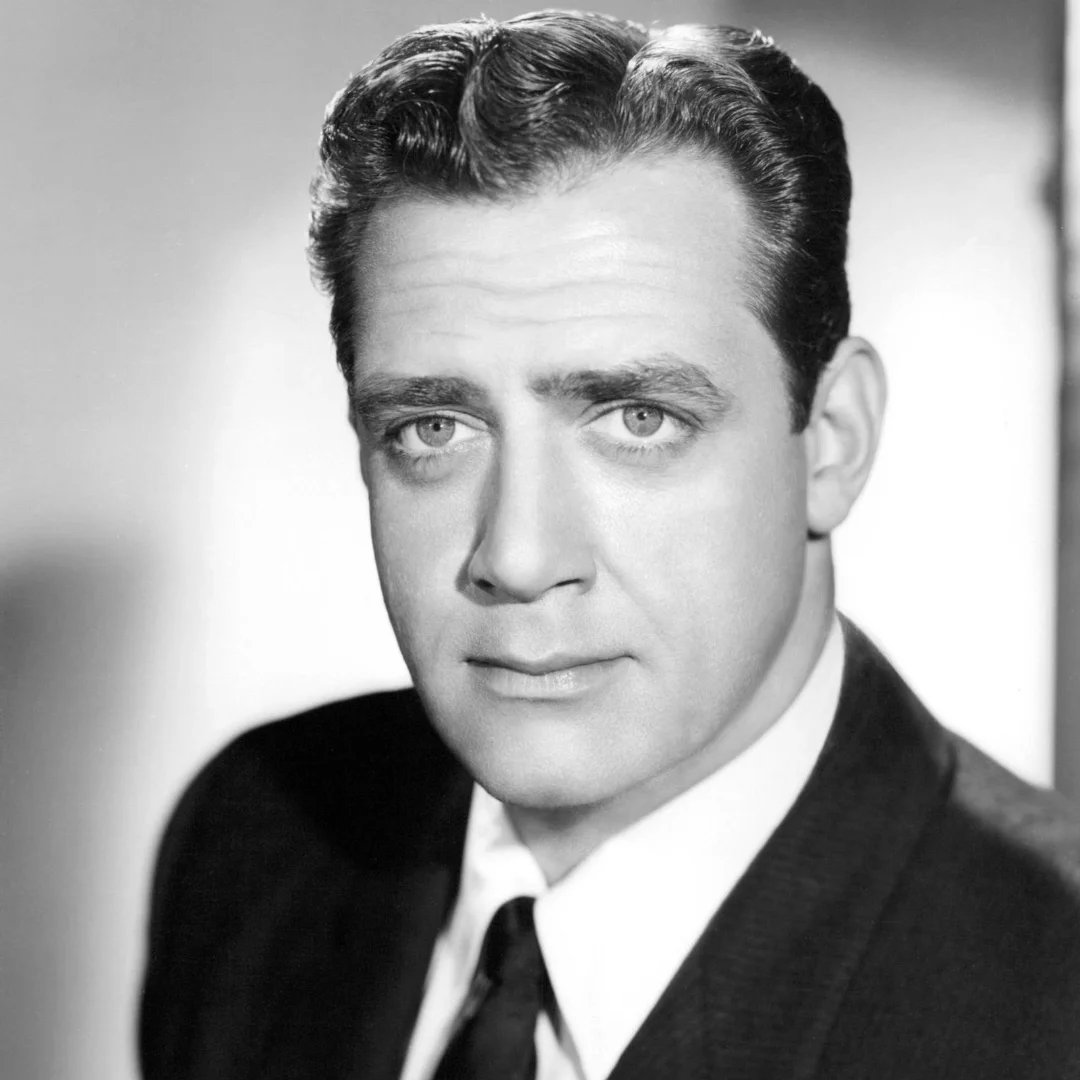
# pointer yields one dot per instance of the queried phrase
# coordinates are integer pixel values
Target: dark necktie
(494, 1039)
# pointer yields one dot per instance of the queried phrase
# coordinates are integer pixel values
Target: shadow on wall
(70, 620)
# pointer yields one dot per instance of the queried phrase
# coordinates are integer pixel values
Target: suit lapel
(397, 925)
(756, 997)
(353, 925)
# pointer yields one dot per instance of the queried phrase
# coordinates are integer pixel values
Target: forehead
(643, 254)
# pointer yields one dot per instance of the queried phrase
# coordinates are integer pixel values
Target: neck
(562, 837)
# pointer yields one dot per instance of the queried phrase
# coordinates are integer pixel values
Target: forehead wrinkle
(542, 303)
(524, 289)
(523, 264)
(481, 281)
(521, 270)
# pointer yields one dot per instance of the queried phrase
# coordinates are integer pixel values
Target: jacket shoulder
(1004, 857)
(328, 776)
(974, 965)
(263, 872)
(1030, 823)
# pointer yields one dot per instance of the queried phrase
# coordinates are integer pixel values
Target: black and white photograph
(540, 544)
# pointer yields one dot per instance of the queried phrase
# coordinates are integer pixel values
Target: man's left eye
(640, 421)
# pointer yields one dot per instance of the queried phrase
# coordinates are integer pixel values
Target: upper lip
(558, 661)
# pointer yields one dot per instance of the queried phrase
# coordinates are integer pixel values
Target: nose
(533, 532)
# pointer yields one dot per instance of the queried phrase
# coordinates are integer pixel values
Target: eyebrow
(662, 376)
(374, 395)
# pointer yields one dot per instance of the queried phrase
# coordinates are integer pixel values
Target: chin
(535, 792)
(556, 775)
(543, 755)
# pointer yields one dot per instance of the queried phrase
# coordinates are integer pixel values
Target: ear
(842, 436)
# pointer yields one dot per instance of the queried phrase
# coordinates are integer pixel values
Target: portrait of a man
(653, 806)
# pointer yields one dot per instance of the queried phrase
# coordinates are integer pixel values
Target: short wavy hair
(497, 110)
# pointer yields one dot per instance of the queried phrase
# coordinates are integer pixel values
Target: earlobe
(843, 433)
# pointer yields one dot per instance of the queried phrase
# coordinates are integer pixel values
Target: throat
(560, 838)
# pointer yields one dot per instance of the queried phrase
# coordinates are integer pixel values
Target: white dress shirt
(616, 929)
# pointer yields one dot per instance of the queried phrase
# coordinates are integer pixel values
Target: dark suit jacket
(917, 914)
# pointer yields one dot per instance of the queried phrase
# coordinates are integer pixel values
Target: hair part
(500, 110)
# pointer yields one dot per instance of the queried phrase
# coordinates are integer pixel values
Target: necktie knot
(511, 951)
(495, 1039)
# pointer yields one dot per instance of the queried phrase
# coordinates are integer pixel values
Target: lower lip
(560, 685)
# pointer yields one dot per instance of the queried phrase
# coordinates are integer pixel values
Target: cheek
(744, 508)
(421, 540)
(718, 557)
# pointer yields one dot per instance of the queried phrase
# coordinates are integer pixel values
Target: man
(652, 809)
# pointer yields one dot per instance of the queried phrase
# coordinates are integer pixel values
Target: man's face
(587, 503)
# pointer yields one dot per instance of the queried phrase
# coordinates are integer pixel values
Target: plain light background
(183, 541)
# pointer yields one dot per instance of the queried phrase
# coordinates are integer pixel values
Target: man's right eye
(428, 434)
(435, 430)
